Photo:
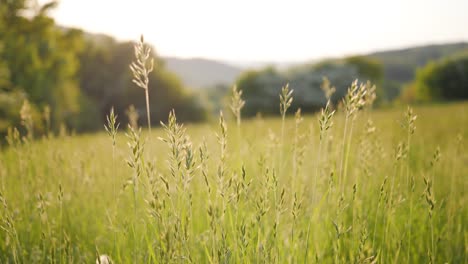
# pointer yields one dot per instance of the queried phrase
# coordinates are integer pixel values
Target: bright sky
(271, 30)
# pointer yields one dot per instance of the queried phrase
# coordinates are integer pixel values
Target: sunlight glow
(246, 30)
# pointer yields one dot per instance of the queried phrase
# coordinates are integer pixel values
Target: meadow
(347, 185)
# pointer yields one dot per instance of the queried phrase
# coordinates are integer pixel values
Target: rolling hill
(400, 65)
(202, 73)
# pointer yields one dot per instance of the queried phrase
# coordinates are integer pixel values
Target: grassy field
(362, 189)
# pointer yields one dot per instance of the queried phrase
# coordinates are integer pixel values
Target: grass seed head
(327, 88)
(112, 125)
(237, 103)
(286, 99)
(104, 259)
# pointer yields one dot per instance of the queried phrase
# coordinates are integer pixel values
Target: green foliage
(442, 80)
(261, 88)
(10, 105)
(106, 79)
(79, 76)
(400, 66)
(88, 118)
(214, 98)
(368, 67)
(39, 60)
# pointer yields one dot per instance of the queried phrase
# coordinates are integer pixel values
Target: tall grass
(346, 186)
(141, 68)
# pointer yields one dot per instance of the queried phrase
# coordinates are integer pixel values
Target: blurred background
(69, 60)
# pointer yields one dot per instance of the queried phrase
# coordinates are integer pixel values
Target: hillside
(400, 65)
(202, 73)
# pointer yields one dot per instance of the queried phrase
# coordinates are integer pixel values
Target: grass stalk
(141, 68)
(286, 100)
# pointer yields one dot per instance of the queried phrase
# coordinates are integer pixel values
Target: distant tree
(216, 98)
(261, 88)
(372, 69)
(443, 80)
(39, 59)
(368, 67)
(105, 79)
(400, 66)
(79, 76)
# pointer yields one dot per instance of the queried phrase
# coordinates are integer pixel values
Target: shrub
(443, 80)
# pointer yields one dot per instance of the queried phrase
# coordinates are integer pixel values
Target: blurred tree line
(72, 78)
(261, 87)
(441, 80)
(105, 80)
(38, 62)
(401, 66)
(421, 74)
